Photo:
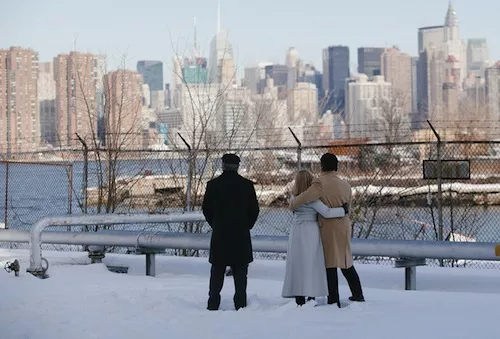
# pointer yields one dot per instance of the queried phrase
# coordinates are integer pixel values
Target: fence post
(299, 149)
(190, 173)
(85, 173)
(439, 186)
(6, 221)
(70, 179)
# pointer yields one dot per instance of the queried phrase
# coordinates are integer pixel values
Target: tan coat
(336, 232)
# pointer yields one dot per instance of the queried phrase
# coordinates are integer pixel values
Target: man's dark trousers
(217, 274)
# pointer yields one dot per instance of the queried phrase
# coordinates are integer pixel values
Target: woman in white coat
(305, 263)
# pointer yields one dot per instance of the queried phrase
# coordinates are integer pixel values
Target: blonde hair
(303, 180)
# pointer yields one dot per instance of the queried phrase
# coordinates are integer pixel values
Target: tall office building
(19, 110)
(396, 67)
(221, 67)
(369, 60)
(302, 104)
(309, 73)
(414, 86)
(453, 45)
(195, 70)
(76, 75)
(124, 99)
(335, 72)
(255, 77)
(279, 74)
(152, 73)
(493, 91)
(431, 53)
(47, 102)
(477, 56)
(366, 105)
(236, 117)
(221, 62)
(437, 45)
(291, 64)
(199, 116)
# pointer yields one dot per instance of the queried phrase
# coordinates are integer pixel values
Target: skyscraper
(493, 91)
(302, 104)
(396, 67)
(366, 100)
(369, 60)
(152, 72)
(453, 45)
(195, 71)
(255, 77)
(430, 72)
(279, 74)
(291, 64)
(221, 62)
(19, 110)
(77, 80)
(124, 123)
(335, 72)
(477, 55)
(47, 102)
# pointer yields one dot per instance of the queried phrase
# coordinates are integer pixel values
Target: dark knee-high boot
(333, 286)
(352, 278)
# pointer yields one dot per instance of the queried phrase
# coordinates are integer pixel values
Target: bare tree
(102, 113)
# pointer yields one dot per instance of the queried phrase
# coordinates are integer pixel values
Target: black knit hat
(230, 159)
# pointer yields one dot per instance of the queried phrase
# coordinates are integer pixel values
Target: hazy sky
(260, 30)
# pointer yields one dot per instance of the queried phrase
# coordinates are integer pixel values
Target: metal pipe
(278, 244)
(106, 219)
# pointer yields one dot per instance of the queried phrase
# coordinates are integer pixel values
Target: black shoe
(358, 299)
(212, 308)
(311, 298)
(237, 307)
(300, 301)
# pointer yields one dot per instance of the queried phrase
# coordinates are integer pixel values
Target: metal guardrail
(416, 249)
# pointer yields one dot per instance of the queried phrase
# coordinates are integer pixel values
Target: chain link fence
(392, 200)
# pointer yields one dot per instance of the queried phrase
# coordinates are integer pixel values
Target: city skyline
(153, 42)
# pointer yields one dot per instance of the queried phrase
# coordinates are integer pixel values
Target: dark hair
(230, 167)
(329, 162)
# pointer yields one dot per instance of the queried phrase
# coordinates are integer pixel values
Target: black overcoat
(231, 209)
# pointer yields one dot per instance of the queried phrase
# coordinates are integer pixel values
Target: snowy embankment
(87, 301)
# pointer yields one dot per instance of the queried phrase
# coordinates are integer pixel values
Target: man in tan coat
(335, 233)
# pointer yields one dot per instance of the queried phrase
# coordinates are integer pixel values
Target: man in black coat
(231, 209)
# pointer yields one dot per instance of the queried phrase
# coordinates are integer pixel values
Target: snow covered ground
(87, 301)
